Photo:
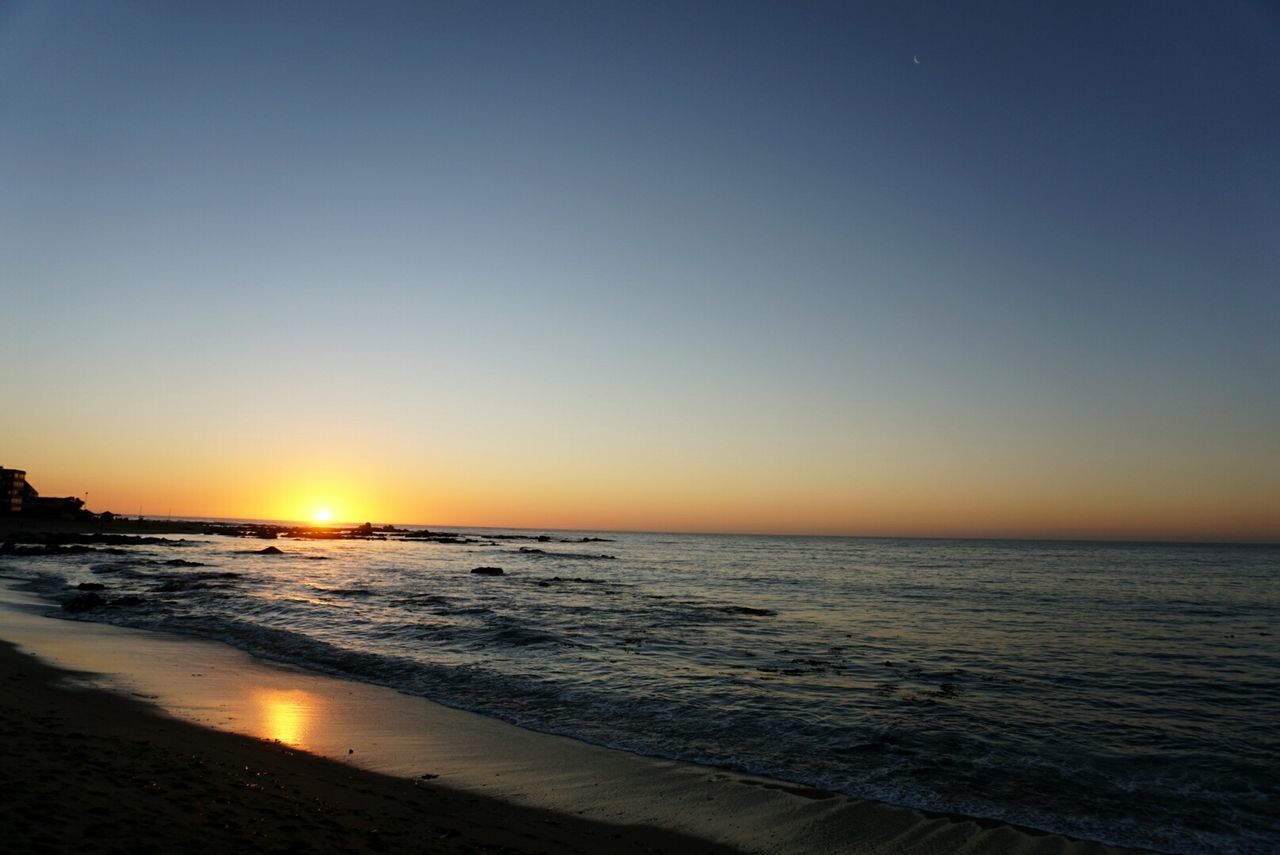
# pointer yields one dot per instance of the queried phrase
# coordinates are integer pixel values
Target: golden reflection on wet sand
(288, 715)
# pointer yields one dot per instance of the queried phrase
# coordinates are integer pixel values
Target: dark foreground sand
(89, 771)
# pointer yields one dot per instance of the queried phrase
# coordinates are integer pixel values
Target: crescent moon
(916, 60)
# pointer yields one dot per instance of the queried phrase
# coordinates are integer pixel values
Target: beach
(123, 739)
(93, 771)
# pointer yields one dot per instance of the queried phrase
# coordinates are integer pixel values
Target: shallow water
(1119, 692)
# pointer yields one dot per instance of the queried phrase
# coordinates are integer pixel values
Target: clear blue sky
(918, 267)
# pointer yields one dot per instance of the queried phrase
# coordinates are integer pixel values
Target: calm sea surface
(1128, 693)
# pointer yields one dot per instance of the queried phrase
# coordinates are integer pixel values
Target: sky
(909, 268)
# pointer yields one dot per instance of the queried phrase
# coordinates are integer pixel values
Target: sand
(91, 771)
(144, 741)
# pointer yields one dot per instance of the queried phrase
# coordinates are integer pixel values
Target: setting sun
(322, 515)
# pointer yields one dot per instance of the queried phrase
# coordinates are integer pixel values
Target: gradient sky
(716, 266)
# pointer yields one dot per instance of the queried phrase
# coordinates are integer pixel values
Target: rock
(748, 610)
(91, 586)
(10, 548)
(270, 550)
(62, 539)
(487, 571)
(83, 603)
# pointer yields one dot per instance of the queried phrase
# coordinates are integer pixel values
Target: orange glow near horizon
(1029, 498)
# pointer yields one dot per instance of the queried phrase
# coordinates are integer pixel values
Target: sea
(1127, 693)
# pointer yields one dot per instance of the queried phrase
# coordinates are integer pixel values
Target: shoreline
(209, 688)
(190, 690)
(91, 770)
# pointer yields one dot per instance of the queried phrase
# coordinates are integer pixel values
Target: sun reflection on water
(288, 715)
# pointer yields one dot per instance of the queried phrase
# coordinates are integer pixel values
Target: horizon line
(863, 536)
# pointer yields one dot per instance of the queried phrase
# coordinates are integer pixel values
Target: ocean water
(1126, 693)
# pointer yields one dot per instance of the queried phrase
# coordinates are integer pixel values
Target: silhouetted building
(61, 507)
(12, 489)
(17, 496)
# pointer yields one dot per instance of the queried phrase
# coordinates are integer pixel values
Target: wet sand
(90, 771)
(148, 741)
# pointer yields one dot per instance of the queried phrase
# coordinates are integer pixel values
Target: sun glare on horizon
(322, 515)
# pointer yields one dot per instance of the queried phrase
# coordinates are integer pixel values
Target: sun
(322, 515)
